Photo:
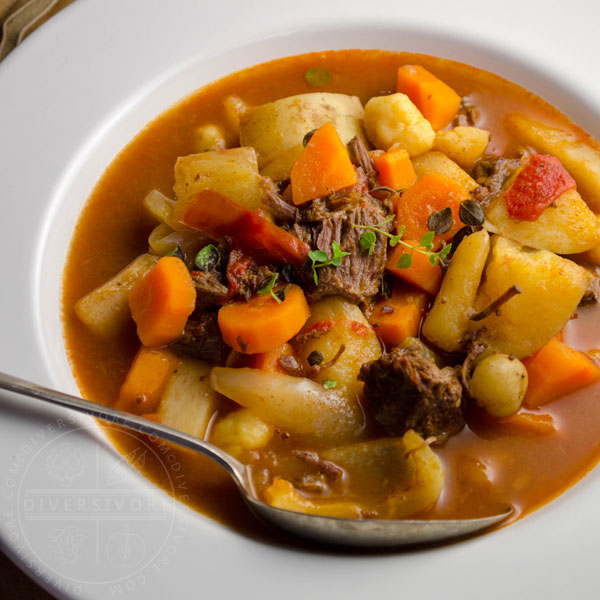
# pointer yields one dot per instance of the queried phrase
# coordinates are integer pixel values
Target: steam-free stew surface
(485, 464)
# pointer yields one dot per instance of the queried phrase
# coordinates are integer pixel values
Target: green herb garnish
(319, 259)
(471, 213)
(315, 358)
(268, 289)
(177, 252)
(440, 221)
(208, 258)
(317, 77)
(329, 384)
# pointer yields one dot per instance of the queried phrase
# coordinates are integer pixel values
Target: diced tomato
(321, 326)
(538, 185)
(359, 328)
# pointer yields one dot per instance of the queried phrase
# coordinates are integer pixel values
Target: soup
(374, 267)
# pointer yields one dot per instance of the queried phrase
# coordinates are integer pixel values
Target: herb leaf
(268, 289)
(307, 137)
(471, 213)
(427, 240)
(405, 261)
(368, 240)
(177, 252)
(319, 259)
(440, 221)
(315, 358)
(329, 384)
(317, 76)
(208, 258)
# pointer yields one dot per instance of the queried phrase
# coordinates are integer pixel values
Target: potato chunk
(336, 322)
(233, 173)
(105, 310)
(463, 145)
(276, 129)
(209, 138)
(567, 226)
(239, 431)
(551, 290)
(447, 322)
(395, 119)
(436, 162)
(188, 402)
(580, 159)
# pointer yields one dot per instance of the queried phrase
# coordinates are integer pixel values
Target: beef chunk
(202, 339)
(358, 276)
(282, 211)
(467, 114)
(359, 155)
(244, 276)
(209, 289)
(491, 172)
(406, 391)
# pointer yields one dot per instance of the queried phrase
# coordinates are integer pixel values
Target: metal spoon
(365, 533)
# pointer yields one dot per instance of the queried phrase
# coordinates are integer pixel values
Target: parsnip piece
(161, 207)
(188, 402)
(276, 129)
(580, 159)
(551, 286)
(294, 404)
(239, 431)
(233, 173)
(436, 162)
(208, 138)
(567, 226)
(105, 310)
(234, 109)
(447, 323)
(463, 145)
(395, 119)
(344, 324)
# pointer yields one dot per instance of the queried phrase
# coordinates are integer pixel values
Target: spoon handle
(235, 468)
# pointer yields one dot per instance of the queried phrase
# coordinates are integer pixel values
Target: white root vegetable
(436, 162)
(294, 404)
(208, 138)
(276, 129)
(394, 119)
(239, 431)
(161, 207)
(233, 173)
(188, 402)
(580, 159)
(447, 323)
(551, 288)
(105, 310)
(463, 145)
(568, 226)
(498, 384)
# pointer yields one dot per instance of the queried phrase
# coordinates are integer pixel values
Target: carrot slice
(420, 273)
(262, 324)
(269, 361)
(146, 380)
(161, 302)
(395, 169)
(322, 168)
(530, 423)
(437, 101)
(433, 192)
(399, 317)
(557, 370)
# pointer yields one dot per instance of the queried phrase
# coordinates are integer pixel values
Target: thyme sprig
(267, 289)
(319, 259)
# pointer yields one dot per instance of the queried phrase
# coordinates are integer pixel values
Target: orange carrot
(395, 169)
(262, 324)
(162, 301)
(322, 168)
(420, 273)
(530, 423)
(267, 361)
(433, 192)
(557, 370)
(146, 380)
(399, 317)
(437, 101)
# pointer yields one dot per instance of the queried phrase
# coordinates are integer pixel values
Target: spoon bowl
(359, 533)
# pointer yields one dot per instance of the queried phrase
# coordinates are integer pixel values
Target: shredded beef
(244, 276)
(491, 172)
(406, 391)
(359, 155)
(209, 289)
(202, 339)
(467, 114)
(282, 211)
(358, 276)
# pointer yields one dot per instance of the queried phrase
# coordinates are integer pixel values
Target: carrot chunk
(262, 324)
(161, 302)
(146, 380)
(269, 361)
(395, 169)
(322, 168)
(529, 423)
(437, 101)
(541, 181)
(433, 192)
(557, 370)
(399, 317)
(420, 273)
